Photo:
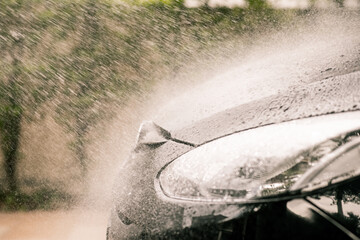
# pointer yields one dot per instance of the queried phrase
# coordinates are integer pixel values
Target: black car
(286, 166)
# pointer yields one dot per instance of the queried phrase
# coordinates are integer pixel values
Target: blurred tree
(10, 119)
(77, 58)
(23, 85)
(10, 104)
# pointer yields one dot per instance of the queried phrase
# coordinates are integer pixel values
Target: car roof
(332, 95)
(261, 72)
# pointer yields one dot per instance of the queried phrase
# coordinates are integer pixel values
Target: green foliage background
(78, 57)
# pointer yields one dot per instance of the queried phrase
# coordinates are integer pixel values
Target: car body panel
(141, 210)
(304, 218)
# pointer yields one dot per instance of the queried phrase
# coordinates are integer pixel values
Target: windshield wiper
(306, 180)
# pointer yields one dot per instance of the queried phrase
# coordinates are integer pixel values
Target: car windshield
(340, 165)
(260, 162)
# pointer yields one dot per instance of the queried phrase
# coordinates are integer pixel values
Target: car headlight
(256, 163)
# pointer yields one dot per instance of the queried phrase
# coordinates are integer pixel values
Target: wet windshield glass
(256, 163)
(338, 166)
(347, 164)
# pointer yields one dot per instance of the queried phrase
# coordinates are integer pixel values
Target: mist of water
(239, 71)
(253, 68)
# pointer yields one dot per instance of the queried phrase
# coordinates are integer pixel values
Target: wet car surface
(196, 182)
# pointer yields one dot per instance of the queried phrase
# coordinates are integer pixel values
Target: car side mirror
(150, 134)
